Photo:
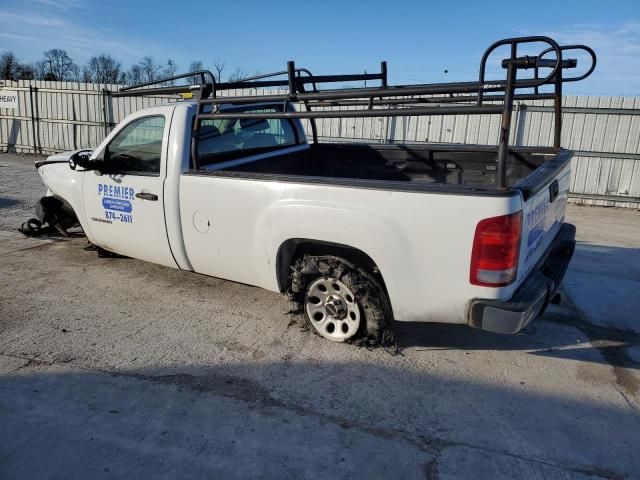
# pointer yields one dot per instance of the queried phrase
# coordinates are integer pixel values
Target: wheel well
(295, 248)
(51, 203)
(67, 208)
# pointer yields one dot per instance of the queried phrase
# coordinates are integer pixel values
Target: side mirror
(83, 160)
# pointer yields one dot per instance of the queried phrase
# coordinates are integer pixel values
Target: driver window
(137, 149)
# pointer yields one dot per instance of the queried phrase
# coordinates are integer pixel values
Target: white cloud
(15, 36)
(61, 4)
(618, 51)
(19, 21)
(33, 33)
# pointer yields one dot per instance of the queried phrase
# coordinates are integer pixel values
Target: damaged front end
(56, 212)
(53, 215)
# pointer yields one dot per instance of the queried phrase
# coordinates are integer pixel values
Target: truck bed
(456, 165)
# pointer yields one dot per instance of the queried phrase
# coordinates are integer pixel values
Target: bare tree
(86, 76)
(61, 67)
(195, 66)
(134, 75)
(12, 69)
(25, 72)
(218, 66)
(8, 66)
(170, 71)
(149, 69)
(146, 70)
(101, 69)
(40, 69)
(74, 73)
(237, 74)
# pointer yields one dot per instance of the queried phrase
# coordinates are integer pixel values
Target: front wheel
(340, 301)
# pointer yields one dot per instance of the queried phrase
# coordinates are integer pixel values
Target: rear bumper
(533, 296)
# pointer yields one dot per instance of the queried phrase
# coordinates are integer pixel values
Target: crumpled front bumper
(533, 296)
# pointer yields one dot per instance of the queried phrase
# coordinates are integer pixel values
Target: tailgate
(545, 194)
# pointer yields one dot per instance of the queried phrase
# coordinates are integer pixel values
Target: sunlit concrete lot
(117, 368)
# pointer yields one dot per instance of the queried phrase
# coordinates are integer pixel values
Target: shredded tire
(376, 329)
(53, 217)
(33, 228)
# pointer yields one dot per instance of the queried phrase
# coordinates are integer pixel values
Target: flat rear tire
(341, 301)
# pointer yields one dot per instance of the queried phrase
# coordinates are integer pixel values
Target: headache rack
(455, 98)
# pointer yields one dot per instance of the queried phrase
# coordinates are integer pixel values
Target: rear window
(227, 139)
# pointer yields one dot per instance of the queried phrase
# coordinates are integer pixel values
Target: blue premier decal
(118, 205)
(117, 202)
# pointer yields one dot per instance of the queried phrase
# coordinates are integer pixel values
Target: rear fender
(363, 230)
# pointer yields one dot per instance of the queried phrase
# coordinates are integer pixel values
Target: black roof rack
(455, 98)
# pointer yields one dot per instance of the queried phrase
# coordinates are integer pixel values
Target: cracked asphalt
(116, 368)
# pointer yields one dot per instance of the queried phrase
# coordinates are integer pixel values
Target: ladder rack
(455, 98)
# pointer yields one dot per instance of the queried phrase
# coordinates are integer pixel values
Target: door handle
(147, 196)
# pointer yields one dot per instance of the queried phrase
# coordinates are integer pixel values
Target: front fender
(62, 157)
(65, 184)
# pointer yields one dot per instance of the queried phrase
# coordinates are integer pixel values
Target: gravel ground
(117, 368)
(20, 188)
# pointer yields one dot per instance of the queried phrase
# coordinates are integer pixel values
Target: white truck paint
(233, 225)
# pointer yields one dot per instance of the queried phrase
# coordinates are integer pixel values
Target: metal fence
(603, 131)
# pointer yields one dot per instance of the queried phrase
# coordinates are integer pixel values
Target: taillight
(494, 259)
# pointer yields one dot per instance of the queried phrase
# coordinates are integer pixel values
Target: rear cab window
(220, 140)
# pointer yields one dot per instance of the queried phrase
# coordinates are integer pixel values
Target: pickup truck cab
(358, 235)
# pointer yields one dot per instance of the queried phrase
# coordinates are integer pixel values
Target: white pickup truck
(358, 234)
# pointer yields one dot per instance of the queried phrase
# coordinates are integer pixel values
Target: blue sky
(419, 39)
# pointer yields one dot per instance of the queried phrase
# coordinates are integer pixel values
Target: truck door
(124, 203)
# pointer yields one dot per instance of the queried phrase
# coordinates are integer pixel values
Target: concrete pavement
(604, 279)
(116, 368)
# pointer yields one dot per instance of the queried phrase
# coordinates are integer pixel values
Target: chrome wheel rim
(332, 309)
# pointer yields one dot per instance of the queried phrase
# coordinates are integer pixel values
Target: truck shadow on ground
(8, 202)
(282, 420)
(609, 275)
(556, 335)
